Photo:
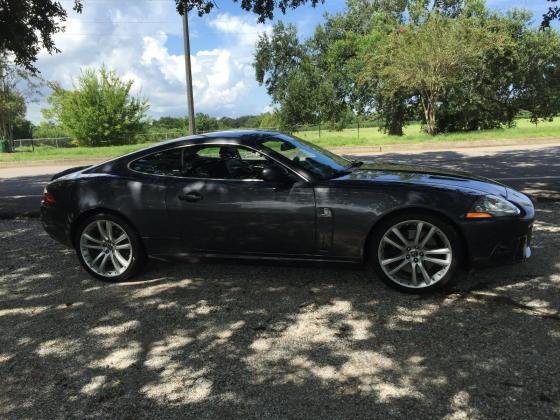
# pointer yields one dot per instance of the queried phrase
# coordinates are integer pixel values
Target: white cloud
(133, 40)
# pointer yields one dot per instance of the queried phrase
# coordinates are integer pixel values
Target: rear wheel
(416, 253)
(108, 248)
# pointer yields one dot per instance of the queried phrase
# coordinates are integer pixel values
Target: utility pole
(187, 45)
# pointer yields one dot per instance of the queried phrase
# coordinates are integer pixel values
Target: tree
(99, 111)
(430, 59)
(538, 87)
(23, 129)
(299, 105)
(551, 14)
(15, 85)
(47, 130)
(264, 9)
(276, 57)
(485, 99)
(27, 26)
(205, 123)
(270, 120)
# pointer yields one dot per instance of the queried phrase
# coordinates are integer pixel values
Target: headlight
(492, 206)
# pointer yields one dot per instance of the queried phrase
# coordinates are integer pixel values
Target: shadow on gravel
(225, 340)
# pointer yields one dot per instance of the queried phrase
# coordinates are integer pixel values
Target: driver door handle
(190, 197)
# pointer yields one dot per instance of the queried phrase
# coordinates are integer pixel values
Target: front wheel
(416, 253)
(108, 248)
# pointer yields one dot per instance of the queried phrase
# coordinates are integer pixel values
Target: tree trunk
(395, 116)
(429, 105)
(395, 124)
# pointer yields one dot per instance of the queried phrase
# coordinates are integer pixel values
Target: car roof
(221, 135)
(243, 136)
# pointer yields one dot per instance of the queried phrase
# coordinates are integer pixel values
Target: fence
(29, 145)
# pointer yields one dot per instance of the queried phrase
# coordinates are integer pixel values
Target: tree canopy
(16, 87)
(454, 65)
(27, 26)
(99, 111)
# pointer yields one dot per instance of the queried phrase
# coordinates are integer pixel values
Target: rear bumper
(55, 224)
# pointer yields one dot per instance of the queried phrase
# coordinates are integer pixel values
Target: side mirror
(274, 173)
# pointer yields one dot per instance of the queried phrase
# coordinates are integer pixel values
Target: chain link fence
(29, 145)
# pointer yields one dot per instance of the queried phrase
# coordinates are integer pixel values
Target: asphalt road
(535, 171)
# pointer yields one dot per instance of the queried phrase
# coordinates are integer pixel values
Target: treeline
(453, 65)
(152, 129)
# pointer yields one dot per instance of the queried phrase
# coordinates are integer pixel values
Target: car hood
(394, 172)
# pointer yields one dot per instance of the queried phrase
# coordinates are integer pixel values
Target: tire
(415, 263)
(109, 248)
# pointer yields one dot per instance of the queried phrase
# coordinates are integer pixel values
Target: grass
(414, 134)
(53, 153)
(329, 139)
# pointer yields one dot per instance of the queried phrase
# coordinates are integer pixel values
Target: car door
(215, 211)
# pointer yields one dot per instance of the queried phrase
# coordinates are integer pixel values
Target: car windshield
(308, 156)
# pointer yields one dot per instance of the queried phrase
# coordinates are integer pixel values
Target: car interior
(214, 162)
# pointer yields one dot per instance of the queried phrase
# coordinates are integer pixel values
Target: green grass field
(328, 139)
(414, 134)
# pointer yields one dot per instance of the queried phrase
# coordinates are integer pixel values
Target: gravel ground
(213, 340)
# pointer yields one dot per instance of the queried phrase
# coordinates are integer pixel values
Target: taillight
(48, 197)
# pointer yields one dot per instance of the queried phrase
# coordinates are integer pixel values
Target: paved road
(21, 189)
(535, 171)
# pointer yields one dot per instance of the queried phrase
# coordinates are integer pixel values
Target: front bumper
(498, 241)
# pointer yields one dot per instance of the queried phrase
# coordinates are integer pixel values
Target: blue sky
(142, 41)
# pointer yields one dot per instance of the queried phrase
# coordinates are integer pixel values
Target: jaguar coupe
(268, 195)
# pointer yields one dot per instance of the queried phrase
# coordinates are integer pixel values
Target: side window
(224, 162)
(162, 163)
(205, 162)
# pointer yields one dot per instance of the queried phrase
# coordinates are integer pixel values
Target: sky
(142, 40)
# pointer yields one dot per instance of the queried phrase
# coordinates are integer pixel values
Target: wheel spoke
(88, 246)
(101, 230)
(425, 274)
(419, 227)
(120, 258)
(96, 259)
(390, 241)
(428, 237)
(392, 260)
(109, 229)
(398, 234)
(398, 267)
(103, 263)
(414, 279)
(91, 238)
(437, 251)
(437, 261)
(115, 263)
(120, 238)
(125, 246)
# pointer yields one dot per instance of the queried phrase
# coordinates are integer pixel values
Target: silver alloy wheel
(106, 248)
(415, 254)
